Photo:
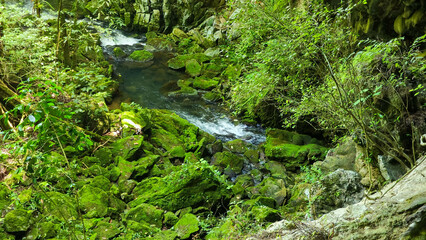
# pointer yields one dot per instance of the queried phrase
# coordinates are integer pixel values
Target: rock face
(397, 212)
(338, 189)
(160, 15)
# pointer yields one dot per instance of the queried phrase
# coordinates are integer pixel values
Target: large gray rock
(390, 169)
(396, 212)
(338, 189)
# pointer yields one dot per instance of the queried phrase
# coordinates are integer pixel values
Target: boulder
(186, 226)
(141, 56)
(189, 186)
(93, 201)
(18, 220)
(338, 189)
(145, 213)
(228, 160)
(390, 169)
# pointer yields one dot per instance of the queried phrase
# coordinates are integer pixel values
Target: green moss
(4, 196)
(232, 72)
(177, 152)
(161, 44)
(205, 83)
(126, 169)
(119, 53)
(170, 219)
(164, 235)
(145, 213)
(228, 159)
(128, 148)
(17, 221)
(93, 201)
(107, 230)
(144, 165)
(61, 206)
(189, 186)
(141, 56)
(193, 68)
(276, 169)
(184, 91)
(241, 183)
(236, 146)
(179, 62)
(211, 96)
(186, 226)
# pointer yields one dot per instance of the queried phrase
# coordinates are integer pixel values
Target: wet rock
(242, 182)
(186, 226)
(119, 53)
(338, 189)
(17, 220)
(141, 56)
(205, 83)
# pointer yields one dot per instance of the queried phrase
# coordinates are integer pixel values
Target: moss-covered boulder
(141, 56)
(161, 44)
(128, 148)
(276, 169)
(236, 146)
(242, 182)
(118, 52)
(4, 197)
(107, 230)
(179, 62)
(93, 201)
(144, 165)
(186, 226)
(272, 188)
(291, 148)
(60, 206)
(228, 160)
(101, 182)
(205, 83)
(170, 219)
(192, 185)
(126, 169)
(193, 67)
(18, 220)
(137, 121)
(184, 91)
(146, 213)
(43, 230)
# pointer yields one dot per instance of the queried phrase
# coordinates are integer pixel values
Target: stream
(148, 84)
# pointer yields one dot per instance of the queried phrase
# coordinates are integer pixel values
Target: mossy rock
(126, 169)
(102, 182)
(118, 52)
(60, 206)
(164, 235)
(288, 147)
(144, 165)
(228, 159)
(128, 148)
(186, 226)
(164, 139)
(276, 169)
(136, 120)
(170, 219)
(141, 56)
(211, 97)
(179, 33)
(161, 44)
(18, 220)
(205, 83)
(236, 146)
(93, 201)
(140, 229)
(184, 92)
(43, 230)
(179, 62)
(4, 197)
(104, 156)
(146, 213)
(189, 186)
(272, 188)
(193, 68)
(242, 182)
(107, 230)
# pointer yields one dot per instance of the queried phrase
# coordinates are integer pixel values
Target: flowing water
(148, 84)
